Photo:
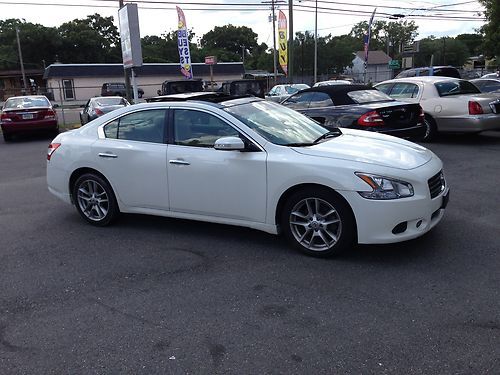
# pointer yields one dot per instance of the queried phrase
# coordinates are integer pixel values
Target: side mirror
(229, 144)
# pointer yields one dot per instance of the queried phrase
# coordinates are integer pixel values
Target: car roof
(423, 79)
(485, 79)
(338, 89)
(28, 97)
(214, 98)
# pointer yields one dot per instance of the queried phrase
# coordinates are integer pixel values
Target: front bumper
(377, 219)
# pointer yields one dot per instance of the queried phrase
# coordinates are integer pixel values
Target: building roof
(116, 70)
(375, 57)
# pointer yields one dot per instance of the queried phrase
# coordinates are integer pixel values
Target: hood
(372, 148)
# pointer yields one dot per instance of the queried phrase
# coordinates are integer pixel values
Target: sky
(335, 17)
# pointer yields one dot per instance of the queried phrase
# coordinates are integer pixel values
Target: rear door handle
(179, 162)
(107, 155)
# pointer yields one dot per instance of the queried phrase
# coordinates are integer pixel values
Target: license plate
(446, 198)
(28, 116)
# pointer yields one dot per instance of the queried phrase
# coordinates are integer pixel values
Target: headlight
(384, 187)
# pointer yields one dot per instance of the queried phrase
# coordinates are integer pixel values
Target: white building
(79, 82)
(377, 70)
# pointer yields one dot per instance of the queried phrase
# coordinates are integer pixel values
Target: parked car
(332, 82)
(487, 84)
(117, 89)
(442, 71)
(27, 114)
(100, 105)
(280, 92)
(491, 75)
(181, 86)
(253, 163)
(238, 87)
(359, 107)
(449, 104)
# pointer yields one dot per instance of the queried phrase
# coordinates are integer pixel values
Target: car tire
(140, 95)
(318, 222)
(430, 129)
(95, 200)
(7, 137)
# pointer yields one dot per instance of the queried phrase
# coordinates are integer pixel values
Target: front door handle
(107, 155)
(179, 162)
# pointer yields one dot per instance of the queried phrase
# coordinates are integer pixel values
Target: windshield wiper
(330, 134)
(298, 144)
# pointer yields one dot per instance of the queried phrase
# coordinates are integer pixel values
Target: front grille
(436, 184)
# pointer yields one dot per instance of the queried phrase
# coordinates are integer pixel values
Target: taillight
(50, 114)
(98, 112)
(370, 119)
(421, 116)
(52, 148)
(475, 108)
(5, 117)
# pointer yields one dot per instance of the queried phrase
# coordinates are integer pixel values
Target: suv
(444, 71)
(117, 89)
(238, 87)
(181, 86)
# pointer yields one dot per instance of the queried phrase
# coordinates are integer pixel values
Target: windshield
(27, 102)
(458, 87)
(278, 124)
(369, 96)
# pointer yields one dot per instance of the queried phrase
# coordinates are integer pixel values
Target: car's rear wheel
(7, 137)
(94, 200)
(430, 129)
(318, 222)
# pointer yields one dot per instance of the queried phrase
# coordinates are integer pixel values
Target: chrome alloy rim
(427, 128)
(93, 200)
(315, 224)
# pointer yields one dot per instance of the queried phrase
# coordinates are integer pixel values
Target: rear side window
(385, 88)
(321, 99)
(144, 126)
(404, 90)
(423, 72)
(459, 87)
(487, 85)
(300, 100)
(447, 72)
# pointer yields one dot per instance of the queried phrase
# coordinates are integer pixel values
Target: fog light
(400, 228)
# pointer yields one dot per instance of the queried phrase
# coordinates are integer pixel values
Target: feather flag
(183, 45)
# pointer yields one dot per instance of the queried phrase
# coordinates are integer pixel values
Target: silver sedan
(449, 104)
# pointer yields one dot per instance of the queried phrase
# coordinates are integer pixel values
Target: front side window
(143, 126)
(200, 129)
(300, 100)
(321, 99)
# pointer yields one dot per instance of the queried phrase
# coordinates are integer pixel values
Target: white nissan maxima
(253, 163)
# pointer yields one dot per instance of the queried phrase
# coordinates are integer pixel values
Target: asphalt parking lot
(153, 295)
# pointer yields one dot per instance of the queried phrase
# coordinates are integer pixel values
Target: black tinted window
(458, 87)
(300, 100)
(446, 72)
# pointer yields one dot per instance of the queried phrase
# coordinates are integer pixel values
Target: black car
(359, 107)
(181, 86)
(240, 87)
(117, 89)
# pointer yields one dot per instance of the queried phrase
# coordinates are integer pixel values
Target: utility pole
(125, 70)
(274, 44)
(21, 62)
(316, 43)
(290, 41)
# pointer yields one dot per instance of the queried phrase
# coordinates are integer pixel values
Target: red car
(28, 114)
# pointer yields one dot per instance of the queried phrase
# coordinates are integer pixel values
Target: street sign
(210, 60)
(394, 64)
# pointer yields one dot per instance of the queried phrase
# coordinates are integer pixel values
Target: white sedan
(449, 104)
(252, 163)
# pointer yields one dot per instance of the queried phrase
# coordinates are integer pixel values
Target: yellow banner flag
(282, 42)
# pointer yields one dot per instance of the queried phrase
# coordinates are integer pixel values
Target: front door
(206, 181)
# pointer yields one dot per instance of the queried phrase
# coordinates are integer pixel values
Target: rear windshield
(446, 72)
(369, 96)
(447, 88)
(27, 102)
(111, 101)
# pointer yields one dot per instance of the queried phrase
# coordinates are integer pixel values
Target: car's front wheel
(318, 222)
(94, 199)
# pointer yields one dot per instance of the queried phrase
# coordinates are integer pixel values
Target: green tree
(38, 44)
(94, 39)
(491, 30)
(227, 42)
(474, 43)
(445, 51)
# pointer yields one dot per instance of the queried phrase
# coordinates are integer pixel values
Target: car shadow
(484, 138)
